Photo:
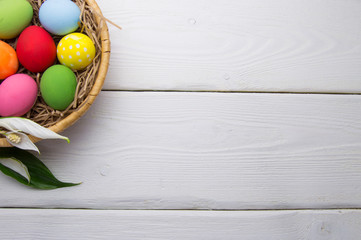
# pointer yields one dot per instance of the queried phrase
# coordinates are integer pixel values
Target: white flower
(19, 126)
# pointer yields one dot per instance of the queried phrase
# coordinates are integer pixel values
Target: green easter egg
(15, 16)
(57, 86)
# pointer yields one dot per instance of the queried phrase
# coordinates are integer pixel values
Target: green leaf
(16, 166)
(40, 175)
(13, 174)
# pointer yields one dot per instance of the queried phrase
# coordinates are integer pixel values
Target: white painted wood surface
(235, 45)
(164, 225)
(220, 151)
(206, 151)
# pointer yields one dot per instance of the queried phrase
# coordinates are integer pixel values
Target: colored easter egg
(36, 49)
(76, 51)
(59, 17)
(58, 86)
(18, 94)
(15, 15)
(8, 60)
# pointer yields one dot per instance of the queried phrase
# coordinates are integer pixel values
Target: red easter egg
(36, 49)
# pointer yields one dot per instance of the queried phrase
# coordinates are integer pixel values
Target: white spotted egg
(76, 51)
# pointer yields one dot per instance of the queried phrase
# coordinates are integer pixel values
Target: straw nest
(90, 80)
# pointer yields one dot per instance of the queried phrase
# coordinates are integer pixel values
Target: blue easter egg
(59, 17)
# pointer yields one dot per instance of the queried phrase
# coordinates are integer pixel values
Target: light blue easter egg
(59, 17)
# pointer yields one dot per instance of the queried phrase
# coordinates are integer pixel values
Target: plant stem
(4, 133)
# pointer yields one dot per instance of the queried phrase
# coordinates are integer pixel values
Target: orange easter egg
(9, 63)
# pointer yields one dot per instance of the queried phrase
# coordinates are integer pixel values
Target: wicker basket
(70, 118)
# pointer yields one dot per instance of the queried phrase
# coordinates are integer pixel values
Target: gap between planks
(210, 91)
(189, 210)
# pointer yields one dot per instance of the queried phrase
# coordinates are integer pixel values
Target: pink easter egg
(18, 94)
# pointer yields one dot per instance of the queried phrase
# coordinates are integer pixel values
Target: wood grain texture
(205, 151)
(235, 45)
(249, 225)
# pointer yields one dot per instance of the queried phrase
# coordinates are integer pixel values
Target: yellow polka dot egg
(76, 51)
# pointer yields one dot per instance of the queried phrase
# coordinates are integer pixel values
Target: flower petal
(16, 124)
(25, 142)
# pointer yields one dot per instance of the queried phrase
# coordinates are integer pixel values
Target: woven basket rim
(98, 84)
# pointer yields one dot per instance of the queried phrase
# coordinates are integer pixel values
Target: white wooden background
(231, 119)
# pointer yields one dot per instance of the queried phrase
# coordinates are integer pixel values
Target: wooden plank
(100, 224)
(235, 45)
(152, 150)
